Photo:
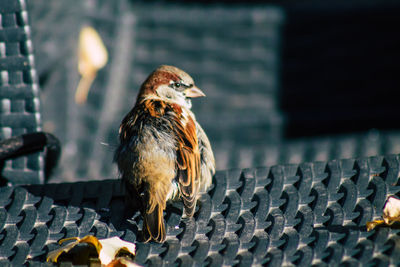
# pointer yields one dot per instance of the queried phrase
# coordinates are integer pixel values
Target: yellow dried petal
(89, 239)
(68, 239)
(52, 256)
(373, 224)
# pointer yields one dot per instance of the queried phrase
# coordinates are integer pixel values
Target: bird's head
(170, 84)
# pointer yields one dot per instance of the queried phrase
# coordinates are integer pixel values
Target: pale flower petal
(391, 211)
(111, 247)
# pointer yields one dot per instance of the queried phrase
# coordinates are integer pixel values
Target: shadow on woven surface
(311, 213)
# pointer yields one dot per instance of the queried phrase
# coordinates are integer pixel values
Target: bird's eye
(177, 85)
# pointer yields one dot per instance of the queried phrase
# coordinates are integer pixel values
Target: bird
(163, 152)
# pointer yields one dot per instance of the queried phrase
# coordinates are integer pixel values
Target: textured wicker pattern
(348, 146)
(312, 213)
(19, 103)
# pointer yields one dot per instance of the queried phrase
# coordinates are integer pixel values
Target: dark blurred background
(286, 81)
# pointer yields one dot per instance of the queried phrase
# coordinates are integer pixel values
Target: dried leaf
(391, 213)
(373, 224)
(112, 246)
(107, 249)
(52, 256)
(92, 57)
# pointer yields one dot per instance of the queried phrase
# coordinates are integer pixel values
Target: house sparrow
(164, 153)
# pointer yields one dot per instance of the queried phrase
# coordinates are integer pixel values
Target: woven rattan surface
(19, 102)
(311, 213)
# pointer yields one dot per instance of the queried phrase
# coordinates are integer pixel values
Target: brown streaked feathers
(163, 151)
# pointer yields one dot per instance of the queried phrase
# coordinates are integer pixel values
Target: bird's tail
(153, 225)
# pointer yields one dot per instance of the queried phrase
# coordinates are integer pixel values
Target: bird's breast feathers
(166, 144)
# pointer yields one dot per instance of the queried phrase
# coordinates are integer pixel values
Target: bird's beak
(193, 92)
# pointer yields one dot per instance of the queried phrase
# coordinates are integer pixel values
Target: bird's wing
(207, 167)
(188, 162)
